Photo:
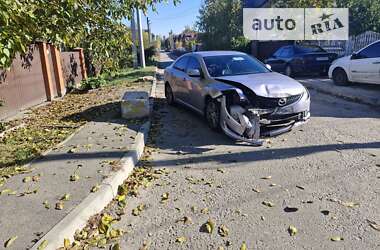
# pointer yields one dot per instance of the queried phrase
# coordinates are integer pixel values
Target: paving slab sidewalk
(361, 93)
(73, 168)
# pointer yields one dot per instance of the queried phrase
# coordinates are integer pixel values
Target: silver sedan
(237, 93)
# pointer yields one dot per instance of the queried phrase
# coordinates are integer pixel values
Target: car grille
(268, 103)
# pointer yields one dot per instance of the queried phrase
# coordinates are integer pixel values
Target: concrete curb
(154, 85)
(348, 97)
(94, 203)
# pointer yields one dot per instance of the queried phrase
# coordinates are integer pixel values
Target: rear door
(275, 61)
(366, 67)
(179, 79)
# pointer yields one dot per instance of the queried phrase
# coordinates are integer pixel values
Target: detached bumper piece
(240, 125)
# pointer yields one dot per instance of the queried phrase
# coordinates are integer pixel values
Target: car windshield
(231, 65)
(308, 49)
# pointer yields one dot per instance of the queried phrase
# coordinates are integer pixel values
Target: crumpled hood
(268, 84)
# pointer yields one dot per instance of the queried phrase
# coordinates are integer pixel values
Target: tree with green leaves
(220, 23)
(364, 14)
(95, 25)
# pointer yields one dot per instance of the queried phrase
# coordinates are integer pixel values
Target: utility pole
(134, 40)
(141, 40)
(148, 22)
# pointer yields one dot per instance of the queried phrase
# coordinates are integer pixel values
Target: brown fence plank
(23, 85)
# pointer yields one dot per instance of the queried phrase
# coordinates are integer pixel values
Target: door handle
(376, 63)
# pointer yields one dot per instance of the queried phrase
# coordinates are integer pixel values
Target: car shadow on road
(185, 133)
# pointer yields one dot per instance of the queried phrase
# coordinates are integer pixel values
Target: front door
(180, 78)
(196, 84)
(365, 67)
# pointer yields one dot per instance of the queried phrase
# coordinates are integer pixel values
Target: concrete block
(135, 105)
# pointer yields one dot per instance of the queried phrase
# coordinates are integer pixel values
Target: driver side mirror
(355, 56)
(194, 73)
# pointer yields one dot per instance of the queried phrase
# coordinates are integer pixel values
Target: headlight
(307, 93)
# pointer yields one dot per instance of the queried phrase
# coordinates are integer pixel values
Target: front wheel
(340, 77)
(213, 114)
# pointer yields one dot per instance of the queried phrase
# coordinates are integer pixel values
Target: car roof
(217, 53)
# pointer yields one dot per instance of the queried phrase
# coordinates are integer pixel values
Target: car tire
(212, 114)
(340, 77)
(169, 94)
(289, 71)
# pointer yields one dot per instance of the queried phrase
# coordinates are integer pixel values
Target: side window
(181, 64)
(278, 52)
(287, 53)
(194, 64)
(372, 51)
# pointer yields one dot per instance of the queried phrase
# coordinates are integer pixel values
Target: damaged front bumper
(249, 124)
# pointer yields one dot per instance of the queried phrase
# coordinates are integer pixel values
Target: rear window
(308, 49)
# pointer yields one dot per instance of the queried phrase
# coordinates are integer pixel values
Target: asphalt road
(324, 180)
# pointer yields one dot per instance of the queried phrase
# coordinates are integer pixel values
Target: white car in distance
(362, 66)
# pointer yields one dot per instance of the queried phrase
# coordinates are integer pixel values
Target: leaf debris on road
(336, 238)
(268, 203)
(181, 239)
(223, 231)
(10, 241)
(292, 230)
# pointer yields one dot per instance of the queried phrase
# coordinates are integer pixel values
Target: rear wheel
(289, 71)
(169, 94)
(212, 114)
(340, 77)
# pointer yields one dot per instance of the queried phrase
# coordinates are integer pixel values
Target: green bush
(241, 43)
(93, 82)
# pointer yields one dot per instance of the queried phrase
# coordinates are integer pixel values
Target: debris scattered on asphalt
(290, 209)
(325, 212)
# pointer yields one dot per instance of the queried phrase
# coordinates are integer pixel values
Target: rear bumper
(312, 68)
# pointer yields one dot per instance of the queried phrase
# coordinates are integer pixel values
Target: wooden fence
(40, 75)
